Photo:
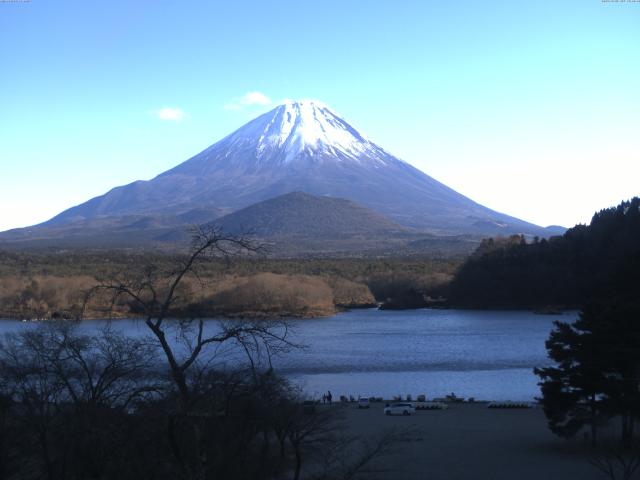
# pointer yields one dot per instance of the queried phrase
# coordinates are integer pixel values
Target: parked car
(400, 409)
(363, 402)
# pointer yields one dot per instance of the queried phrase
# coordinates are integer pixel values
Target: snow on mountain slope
(304, 132)
(307, 127)
(302, 146)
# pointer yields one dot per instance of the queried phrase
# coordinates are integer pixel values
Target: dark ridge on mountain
(298, 146)
(303, 215)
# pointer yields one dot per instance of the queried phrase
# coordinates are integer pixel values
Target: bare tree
(194, 419)
(31, 385)
(155, 293)
(66, 387)
(354, 457)
(308, 431)
(103, 369)
(617, 463)
(321, 444)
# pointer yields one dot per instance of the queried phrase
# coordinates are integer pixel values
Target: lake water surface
(483, 354)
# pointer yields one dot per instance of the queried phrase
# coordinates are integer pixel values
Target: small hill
(299, 214)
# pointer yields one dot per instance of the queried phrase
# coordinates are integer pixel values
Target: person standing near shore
(329, 396)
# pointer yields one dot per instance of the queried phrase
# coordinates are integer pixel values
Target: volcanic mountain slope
(129, 231)
(300, 146)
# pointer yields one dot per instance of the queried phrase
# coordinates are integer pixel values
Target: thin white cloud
(171, 114)
(255, 98)
(232, 106)
(247, 100)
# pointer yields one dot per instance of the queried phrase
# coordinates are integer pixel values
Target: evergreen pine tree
(597, 372)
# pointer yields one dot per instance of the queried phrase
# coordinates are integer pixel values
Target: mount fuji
(299, 146)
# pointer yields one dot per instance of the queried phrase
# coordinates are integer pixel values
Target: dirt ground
(471, 441)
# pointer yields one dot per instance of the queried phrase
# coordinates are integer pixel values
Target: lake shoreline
(251, 315)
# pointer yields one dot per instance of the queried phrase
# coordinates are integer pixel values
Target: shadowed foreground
(470, 441)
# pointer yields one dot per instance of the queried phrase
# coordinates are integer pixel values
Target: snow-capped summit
(300, 146)
(311, 127)
(305, 130)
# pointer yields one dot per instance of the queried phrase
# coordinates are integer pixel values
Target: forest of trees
(595, 379)
(601, 260)
(51, 285)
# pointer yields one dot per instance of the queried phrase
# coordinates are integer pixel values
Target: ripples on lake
(481, 354)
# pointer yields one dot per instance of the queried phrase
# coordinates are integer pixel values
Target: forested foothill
(594, 383)
(600, 260)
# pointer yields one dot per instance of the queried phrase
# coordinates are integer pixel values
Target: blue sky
(531, 108)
